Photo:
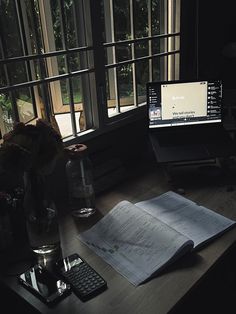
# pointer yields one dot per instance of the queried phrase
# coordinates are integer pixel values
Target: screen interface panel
(184, 103)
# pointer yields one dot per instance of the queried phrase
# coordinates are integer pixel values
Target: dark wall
(207, 27)
(113, 155)
(188, 45)
(217, 28)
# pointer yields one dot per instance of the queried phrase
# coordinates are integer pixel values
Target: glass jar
(80, 181)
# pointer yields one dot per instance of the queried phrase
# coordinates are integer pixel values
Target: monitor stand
(182, 175)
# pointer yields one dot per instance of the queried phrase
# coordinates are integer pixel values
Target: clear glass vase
(41, 216)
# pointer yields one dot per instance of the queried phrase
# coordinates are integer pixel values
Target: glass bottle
(80, 181)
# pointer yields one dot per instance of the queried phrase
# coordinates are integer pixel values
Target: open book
(139, 240)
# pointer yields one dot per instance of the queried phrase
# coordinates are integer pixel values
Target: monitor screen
(175, 103)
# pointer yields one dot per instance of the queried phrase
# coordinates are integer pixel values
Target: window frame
(98, 119)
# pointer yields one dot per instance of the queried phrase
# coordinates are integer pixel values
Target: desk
(160, 294)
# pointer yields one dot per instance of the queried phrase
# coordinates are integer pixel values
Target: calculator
(85, 282)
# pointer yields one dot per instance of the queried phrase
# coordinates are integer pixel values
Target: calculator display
(69, 262)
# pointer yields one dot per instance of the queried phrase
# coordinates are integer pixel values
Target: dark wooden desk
(162, 293)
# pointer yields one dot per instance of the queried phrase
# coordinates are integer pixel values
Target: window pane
(125, 83)
(34, 30)
(6, 114)
(10, 29)
(17, 72)
(142, 77)
(123, 53)
(111, 91)
(70, 24)
(125, 77)
(61, 64)
(64, 123)
(141, 49)
(56, 21)
(156, 16)
(77, 91)
(74, 62)
(3, 81)
(47, 28)
(24, 103)
(80, 60)
(122, 19)
(141, 18)
(38, 69)
(80, 96)
(109, 55)
(158, 68)
(174, 43)
(159, 45)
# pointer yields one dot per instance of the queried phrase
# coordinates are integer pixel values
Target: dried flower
(34, 147)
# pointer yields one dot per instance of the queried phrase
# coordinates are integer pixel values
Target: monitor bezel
(183, 125)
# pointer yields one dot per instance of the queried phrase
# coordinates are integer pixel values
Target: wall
(217, 28)
(188, 45)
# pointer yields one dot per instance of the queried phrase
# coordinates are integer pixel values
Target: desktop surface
(162, 293)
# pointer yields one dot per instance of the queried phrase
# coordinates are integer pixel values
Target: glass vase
(41, 216)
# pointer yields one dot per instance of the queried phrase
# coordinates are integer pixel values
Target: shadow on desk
(215, 293)
(191, 259)
(13, 303)
(200, 174)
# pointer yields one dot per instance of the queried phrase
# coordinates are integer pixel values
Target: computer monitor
(180, 103)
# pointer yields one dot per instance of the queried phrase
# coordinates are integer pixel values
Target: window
(84, 64)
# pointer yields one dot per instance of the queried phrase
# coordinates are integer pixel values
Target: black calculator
(85, 282)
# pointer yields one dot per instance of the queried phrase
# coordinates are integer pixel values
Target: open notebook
(140, 240)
